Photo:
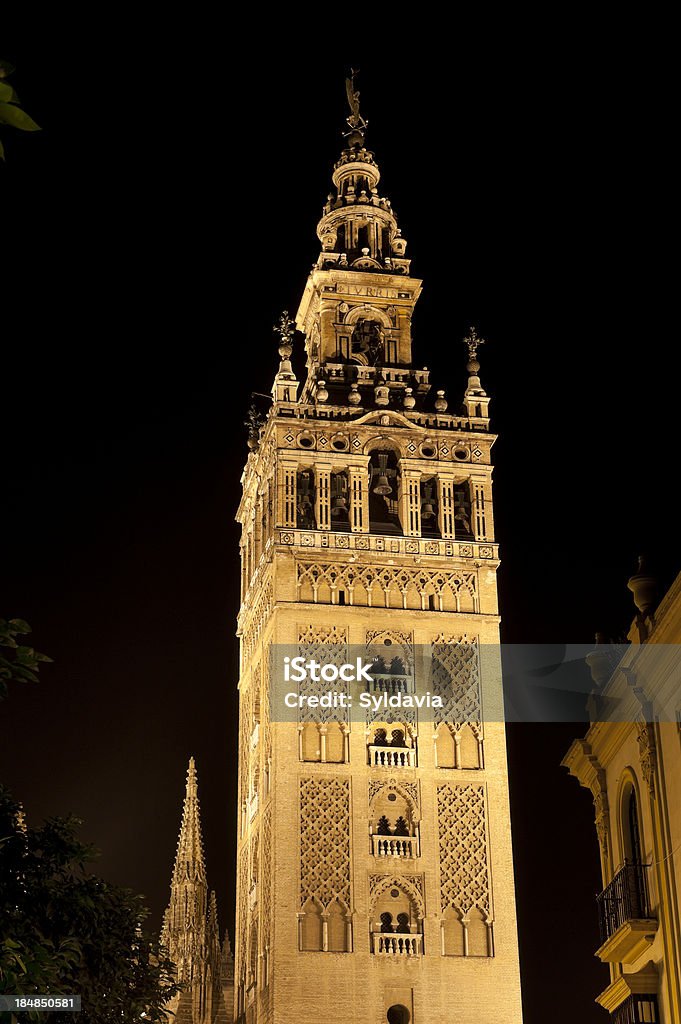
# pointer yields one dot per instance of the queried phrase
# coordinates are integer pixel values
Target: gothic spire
(190, 924)
(189, 860)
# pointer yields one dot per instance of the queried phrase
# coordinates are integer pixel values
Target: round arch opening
(398, 1014)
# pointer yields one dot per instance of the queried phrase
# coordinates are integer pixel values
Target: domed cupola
(358, 229)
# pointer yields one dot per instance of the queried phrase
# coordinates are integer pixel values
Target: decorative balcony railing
(396, 944)
(459, 547)
(387, 682)
(394, 846)
(637, 1009)
(624, 899)
(392, 757)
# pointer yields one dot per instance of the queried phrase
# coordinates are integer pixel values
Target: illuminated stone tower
(374, 874)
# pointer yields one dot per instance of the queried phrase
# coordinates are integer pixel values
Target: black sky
(151, 235)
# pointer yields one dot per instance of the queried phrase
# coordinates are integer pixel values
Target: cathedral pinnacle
(285, 387)
(189, 861)
(285, 329)
(476, 400)
(190, 926)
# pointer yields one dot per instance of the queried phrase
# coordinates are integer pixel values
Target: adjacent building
(630, 760)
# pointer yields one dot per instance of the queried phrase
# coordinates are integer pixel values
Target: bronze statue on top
(356, 122)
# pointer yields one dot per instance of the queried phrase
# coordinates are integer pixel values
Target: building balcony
(392, 757)
(637, 1009)
(393, 684)
(392, 544)
(395, 846)
(396, 944)
(626, 921)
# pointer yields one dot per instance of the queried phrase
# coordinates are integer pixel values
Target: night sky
(152, 233)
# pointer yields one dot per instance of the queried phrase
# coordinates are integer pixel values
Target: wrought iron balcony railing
(624, 899)
(637, 1009)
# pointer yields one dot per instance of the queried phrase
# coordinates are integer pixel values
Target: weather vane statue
(473, 341)
(356, 122)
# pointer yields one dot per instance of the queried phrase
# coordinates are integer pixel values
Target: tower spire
(189, 859)
(190, 923)
(285, 387)
(476, 398)
(358, 229)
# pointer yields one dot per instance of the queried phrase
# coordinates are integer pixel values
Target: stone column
(358, 487)
(410, 503)
(323, 495)
(287, 495)
(445, 503)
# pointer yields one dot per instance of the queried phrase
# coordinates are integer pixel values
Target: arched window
(368, 341)
(429, 509)
(305, 497)
(387, 923)
(463, 521)
(337, 932)
(339, 502)
(311, 927)
(393, 822)
(363, 237)
(398, 1014)
(633, 847)
(633, 850)
(383, 493)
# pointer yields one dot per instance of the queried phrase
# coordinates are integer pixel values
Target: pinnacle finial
(643, 585)
(286, 328)
(356, 122)
(189, 856)
(473, 341)
(191, 777)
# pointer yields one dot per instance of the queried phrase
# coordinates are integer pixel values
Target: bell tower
(374, 867)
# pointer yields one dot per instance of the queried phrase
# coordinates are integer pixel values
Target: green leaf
(17, 118)
(7, 93)
(20, 626)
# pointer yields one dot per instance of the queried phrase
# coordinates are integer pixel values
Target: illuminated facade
(374, 867)
(633, 769)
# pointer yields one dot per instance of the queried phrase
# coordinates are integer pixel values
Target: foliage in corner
(10, 111)
(65, 931)
(23, 663)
